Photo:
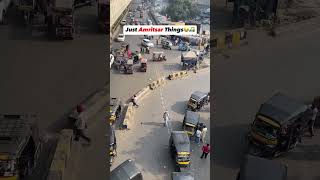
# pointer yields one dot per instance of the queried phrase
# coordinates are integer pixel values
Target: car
(123, 22)
(147, 43)
(111, 60)
(121, 37)
(4, 5)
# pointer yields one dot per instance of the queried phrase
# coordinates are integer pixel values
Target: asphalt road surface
(51, 77)
(147, 141)
(250, 76)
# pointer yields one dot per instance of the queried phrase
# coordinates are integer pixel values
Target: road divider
(61, 156)
(157, 83)
(128, 116)
(177, 75)
(142, 93)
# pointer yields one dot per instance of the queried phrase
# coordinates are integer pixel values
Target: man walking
(80, 126)
(134, 101)
(197, 136)
(165, 118)
(203, 134)
(313, 119)
(205, 151)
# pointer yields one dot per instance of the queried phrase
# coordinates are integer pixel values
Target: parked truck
(103, 15)
(61, 19)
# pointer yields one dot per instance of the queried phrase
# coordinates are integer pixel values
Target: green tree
(181, 10)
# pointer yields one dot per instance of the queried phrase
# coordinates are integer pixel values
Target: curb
(177, 75)
(61, 157)
(157, 83)
(128, 115)
(93, 104)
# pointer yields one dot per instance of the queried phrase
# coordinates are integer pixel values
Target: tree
(181, 10)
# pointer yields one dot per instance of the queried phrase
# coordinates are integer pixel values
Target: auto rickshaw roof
(181, 141)
(192, 117)
(15, 131)
(282, 108)
(256, 168)
(182, 176)
(124, 171)
(198, 95)
(130, 62)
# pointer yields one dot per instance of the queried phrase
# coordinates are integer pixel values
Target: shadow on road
(179, 107)
(305, 153)
(229, 144)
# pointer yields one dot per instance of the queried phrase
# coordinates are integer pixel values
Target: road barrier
(142, 93)
(61, 156)
(228, 39)
(93, 104)
(177, 75)
(128, 115)
(157, 83)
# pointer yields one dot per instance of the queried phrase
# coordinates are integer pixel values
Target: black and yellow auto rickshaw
(128, 67)
(275, 128)
(115, 109)
(197, 100)
(20, 146)
(112, 145)
(190, 122)
(180, 149)
(256, 168)
(126, 171)
(182, 176)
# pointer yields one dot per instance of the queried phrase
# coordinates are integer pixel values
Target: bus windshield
(265, 129)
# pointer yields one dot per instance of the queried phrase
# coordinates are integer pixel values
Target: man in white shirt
(166, 118)
(80, 126)
(313, 119)
(203, 133)
(198, 135)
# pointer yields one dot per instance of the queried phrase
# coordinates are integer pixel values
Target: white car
(111, 60)
(147, 43)
(123, 22)
(4, 5)
(120, 37)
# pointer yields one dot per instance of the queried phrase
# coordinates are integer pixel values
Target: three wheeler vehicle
(143, 66)
(184, 46)
(182, 176)
(166, 44)
(158, 56)
(128, 67)
(180, 150)
(275, 128)
(112, 144)
(189, 60)
(190, 122)
(115, 109)
(21, 143)
(256, 168)
(126, 171)
(197, 100)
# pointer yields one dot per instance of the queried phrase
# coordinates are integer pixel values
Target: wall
(116, 9)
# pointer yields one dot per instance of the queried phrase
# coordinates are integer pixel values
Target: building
(117, 11)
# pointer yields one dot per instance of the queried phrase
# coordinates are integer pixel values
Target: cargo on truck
(61, 19)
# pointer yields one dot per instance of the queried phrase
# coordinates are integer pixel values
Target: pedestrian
(297, 133)
(166, 118)
(141, 49)
(157, 41)
(203, 133)
(205, 151)
(197, 136)
(134, 101)
(80, 126)
(313, 119)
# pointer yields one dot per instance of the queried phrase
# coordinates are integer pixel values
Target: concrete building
(117, 10)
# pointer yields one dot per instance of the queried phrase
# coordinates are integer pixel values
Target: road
(147, 140)
(249, 77)
(51, 77)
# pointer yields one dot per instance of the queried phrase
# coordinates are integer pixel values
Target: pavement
(147, 141)
(248, 77)
(51, 77)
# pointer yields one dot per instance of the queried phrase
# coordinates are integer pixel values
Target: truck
(61, 19)
(103, 14)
